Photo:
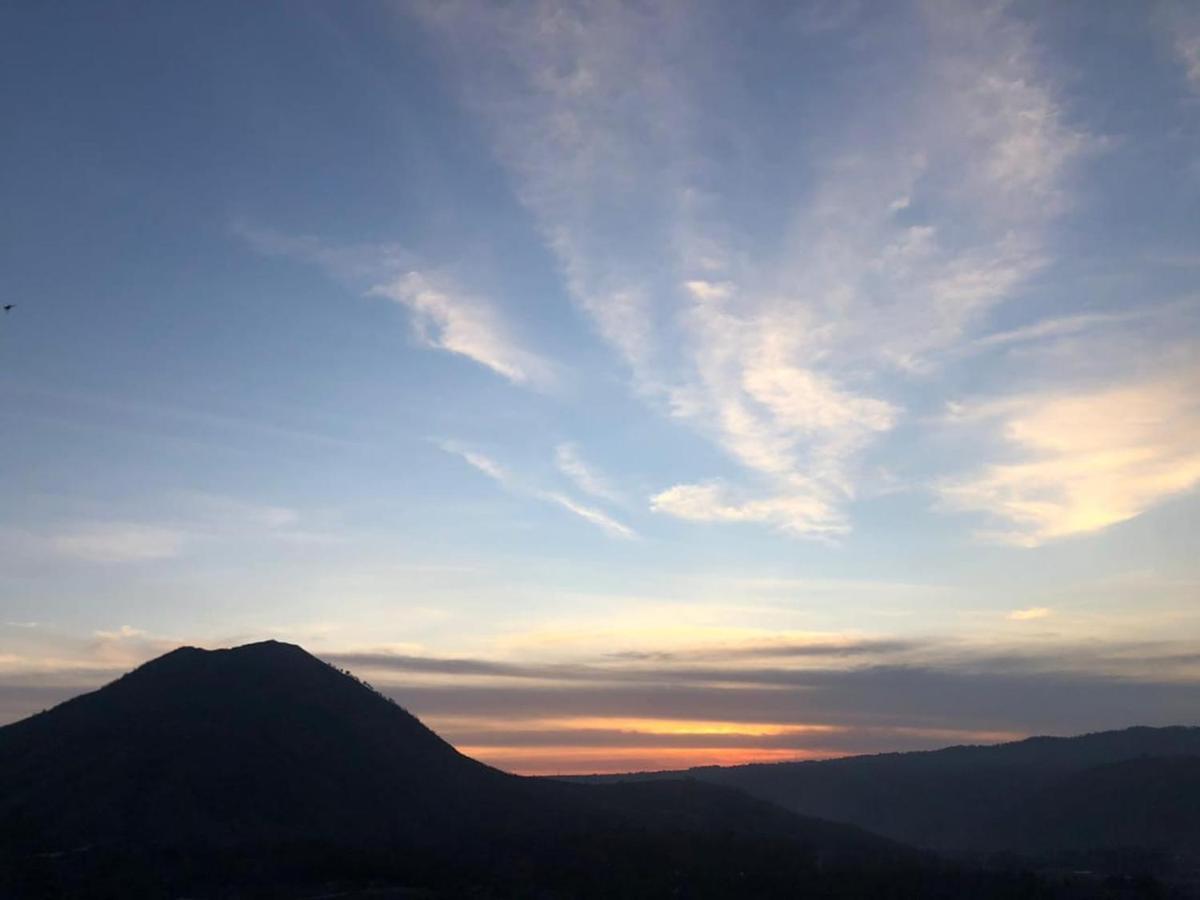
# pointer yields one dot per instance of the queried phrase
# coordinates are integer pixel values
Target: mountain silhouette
(264, 762)
(1134, 788)
(261, 771)
(261, 741)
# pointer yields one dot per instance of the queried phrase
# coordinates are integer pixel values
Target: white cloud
(125, 631)
(1026, 615)
(780, 346)
(119, 542)
(480, 462)
(215, 512)
(182, 522)
(1188, 48)
(800, 513)
(590, 514)
(448, 319)
(505, 479)
(571, 464)
(1182, 24)
(444, 316)
(352, 262)
(1085, 460)
(1050, 328)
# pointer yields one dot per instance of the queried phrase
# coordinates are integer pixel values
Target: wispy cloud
(597, 517)
(1085, 460)
(183, 523)
(1181, 21)
(802, 513)
(349, 262)
(784, 346)
(1050, 328)
(569, 461)
(119, 542)
(800, 696)
(481, 462)
(652, 708)
(1032, 612)
(505, 479)
(447, 318)
(445, 315)
(125, 631)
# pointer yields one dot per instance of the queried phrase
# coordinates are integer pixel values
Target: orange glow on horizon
(632, 725)
(615, 760)
(567, 748)
(681, 726)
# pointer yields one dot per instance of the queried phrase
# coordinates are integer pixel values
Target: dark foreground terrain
(264, 772)
(1114, 802)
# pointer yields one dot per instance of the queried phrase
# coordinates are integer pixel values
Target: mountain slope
(1041, 795)
(263, 759)
(1151, 802)
(232, 745)
(261, 771)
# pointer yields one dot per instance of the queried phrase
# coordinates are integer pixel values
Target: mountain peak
(269, 737)
(256, 660)
(268, 649)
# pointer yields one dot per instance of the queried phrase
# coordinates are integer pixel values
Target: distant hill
(266, 759)
(1139, 787)
(261, 771)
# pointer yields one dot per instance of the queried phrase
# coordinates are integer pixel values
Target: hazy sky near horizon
(617, 385)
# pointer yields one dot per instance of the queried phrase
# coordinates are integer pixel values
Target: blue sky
(574, 365)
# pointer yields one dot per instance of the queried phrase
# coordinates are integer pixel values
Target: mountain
(1135, 788)
(263, 762)
(232, 745)
(1150, 802)
(260, 771)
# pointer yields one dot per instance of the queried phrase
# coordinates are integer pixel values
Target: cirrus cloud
(785, 344)
(447, 318)
(1084, 460)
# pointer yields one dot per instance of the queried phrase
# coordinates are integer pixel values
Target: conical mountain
(266, 743)
(260, 741)
(263, 771)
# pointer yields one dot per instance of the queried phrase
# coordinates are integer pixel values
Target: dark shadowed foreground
(262, 771)
(1113, 801)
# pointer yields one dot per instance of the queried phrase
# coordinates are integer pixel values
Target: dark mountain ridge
(260, 771)
(180, 749)
(1136, 787)
(257, 749)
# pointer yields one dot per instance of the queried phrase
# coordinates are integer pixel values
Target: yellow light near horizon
(631, 725)
(681, 726)
(606, 760)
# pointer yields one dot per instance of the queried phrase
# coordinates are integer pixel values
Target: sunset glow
(590, 760)
(612, 385)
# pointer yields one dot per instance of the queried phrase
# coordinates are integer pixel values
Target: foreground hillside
(1136, 787)
(262, 771)
(1132, 794)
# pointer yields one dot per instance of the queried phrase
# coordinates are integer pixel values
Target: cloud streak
(446, 318)
(119, 542)
(801, 513)
(781, 346)
(1029, 614)
(569, 461)
(505, 479)
(721, 703)
(1085, 461)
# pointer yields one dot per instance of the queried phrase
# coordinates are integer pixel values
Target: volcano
(262, 762)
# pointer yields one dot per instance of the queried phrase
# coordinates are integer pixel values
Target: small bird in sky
(8, 306)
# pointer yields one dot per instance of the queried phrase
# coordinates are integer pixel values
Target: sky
(616, 385)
